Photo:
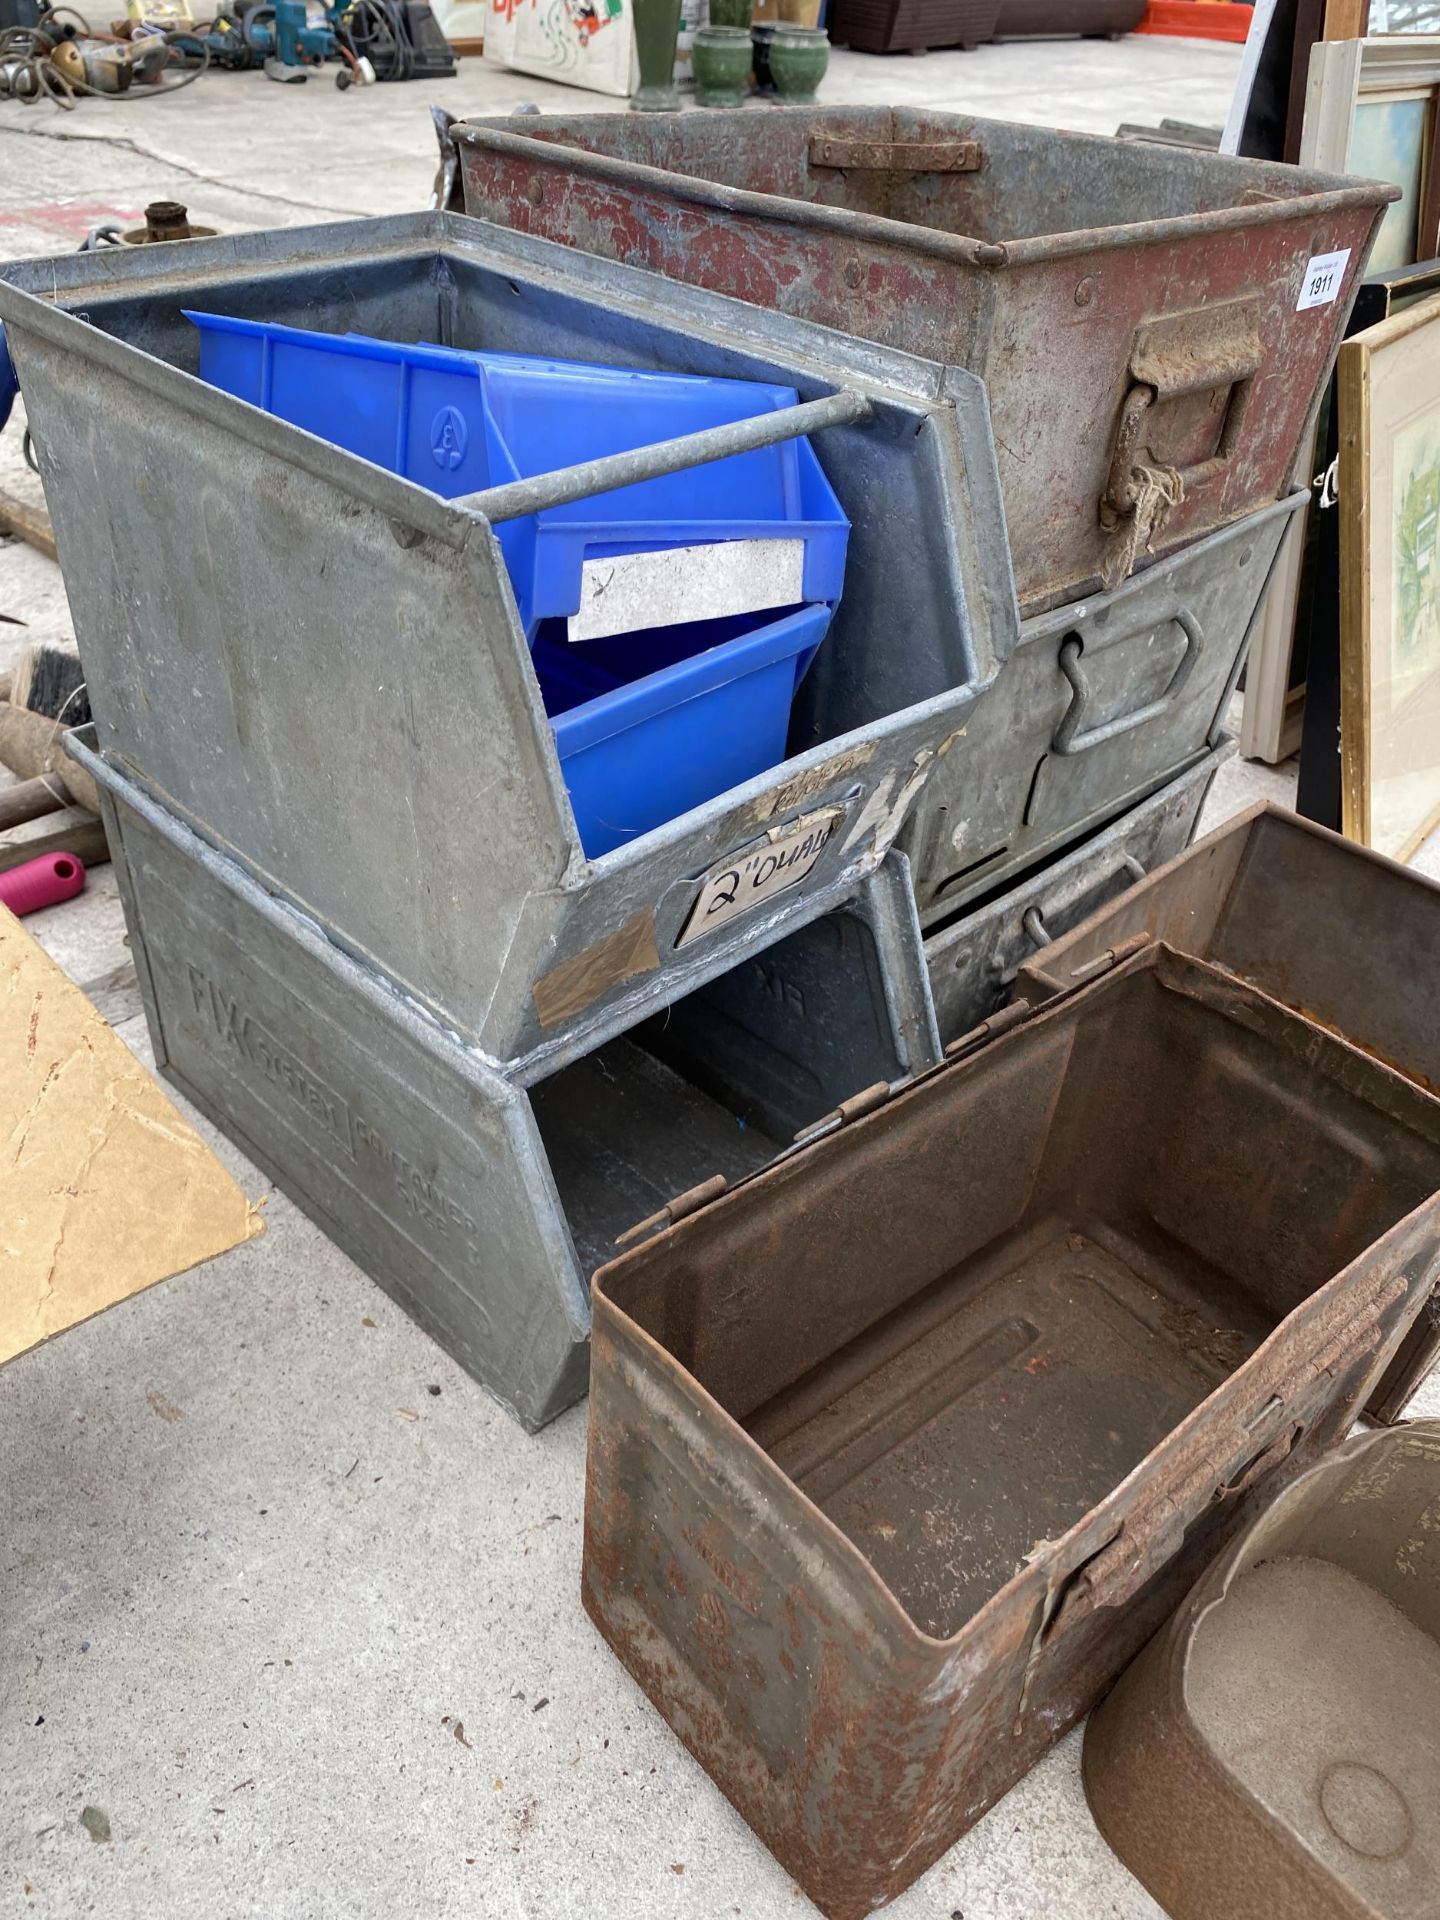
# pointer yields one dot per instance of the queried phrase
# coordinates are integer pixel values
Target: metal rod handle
(1033, 918)
(520, 497)
(1072, 737)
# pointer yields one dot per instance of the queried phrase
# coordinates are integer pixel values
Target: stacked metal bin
(1152, 347)
(314, 698)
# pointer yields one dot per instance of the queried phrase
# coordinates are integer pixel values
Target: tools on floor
(44, 881)
(53, 807)
(372, 40)
(62, 59)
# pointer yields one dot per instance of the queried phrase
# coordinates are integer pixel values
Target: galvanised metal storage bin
(1101, 702)
(900, 1450)
(1341, 934)
(1154, 326)
(320, 666)
(481, 1198)
(973, 960)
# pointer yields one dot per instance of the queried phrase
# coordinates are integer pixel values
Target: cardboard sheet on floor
(104, 1187)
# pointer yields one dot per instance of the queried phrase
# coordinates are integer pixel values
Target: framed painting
(1389, 489)
(1379, 295)
(1371, 108)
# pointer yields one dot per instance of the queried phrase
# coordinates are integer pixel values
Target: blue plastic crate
(457, 422)
(647, 727)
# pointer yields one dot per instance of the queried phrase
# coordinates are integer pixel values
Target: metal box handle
(520, 497)
(1208, 349)
(1033, 918)
(1073, 737)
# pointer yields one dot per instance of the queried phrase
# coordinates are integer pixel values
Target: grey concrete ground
(281, 1591)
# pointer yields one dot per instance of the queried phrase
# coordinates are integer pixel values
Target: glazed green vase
(722, 57)
(732, 13)
(657, 28)
(798, 59)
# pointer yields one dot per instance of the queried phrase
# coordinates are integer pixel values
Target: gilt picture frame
(1389, 491)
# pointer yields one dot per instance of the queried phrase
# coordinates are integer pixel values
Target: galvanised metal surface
(479, 1203)
(1273, 1749)
(1142, 316)
(1341, 934)
(1100, 704)
(972, 961)
(900, 1450)
(319, 665)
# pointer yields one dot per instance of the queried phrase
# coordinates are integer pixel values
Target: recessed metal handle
(1212, 349)
(1073, 736)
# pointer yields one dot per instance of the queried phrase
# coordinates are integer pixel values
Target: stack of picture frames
(1371, 107)
(1370, 753)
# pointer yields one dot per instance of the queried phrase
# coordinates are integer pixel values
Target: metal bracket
(895, 156)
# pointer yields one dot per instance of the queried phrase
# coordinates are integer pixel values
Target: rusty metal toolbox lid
(902, 1448)
(1342, 934)
(1273, 1751)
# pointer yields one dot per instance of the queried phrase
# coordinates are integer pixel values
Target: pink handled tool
(41, 883)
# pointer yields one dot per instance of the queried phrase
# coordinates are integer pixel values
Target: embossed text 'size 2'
(755, 876)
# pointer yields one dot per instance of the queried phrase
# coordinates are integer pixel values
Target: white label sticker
(1324, 277)
(760, 872)
(625, 592)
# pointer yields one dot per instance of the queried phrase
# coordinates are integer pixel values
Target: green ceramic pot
(722, 58)
(657, 27)
(731, 13)
(798, 59)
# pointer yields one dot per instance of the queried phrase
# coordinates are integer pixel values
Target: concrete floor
(281, 1590)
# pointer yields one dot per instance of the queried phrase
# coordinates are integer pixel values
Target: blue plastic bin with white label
(457, 422)
(650, 721)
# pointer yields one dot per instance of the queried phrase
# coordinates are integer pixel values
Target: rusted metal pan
(973, 960)
(1154, 326)
(1337, 932)
(1273, 1750)
(900, 1450)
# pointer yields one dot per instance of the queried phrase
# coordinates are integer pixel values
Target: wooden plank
(31, 745)
(1346, 19)
(1353, 380)
(29, 799)
(1267, 671)
(1309, 22)
(71, 830)
(32, 524)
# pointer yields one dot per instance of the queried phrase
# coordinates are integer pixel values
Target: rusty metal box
(1154, 326)
(900, 1450)
(1337, 932)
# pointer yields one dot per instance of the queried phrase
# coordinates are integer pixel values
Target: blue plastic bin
(457, 422)
(647, 728)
